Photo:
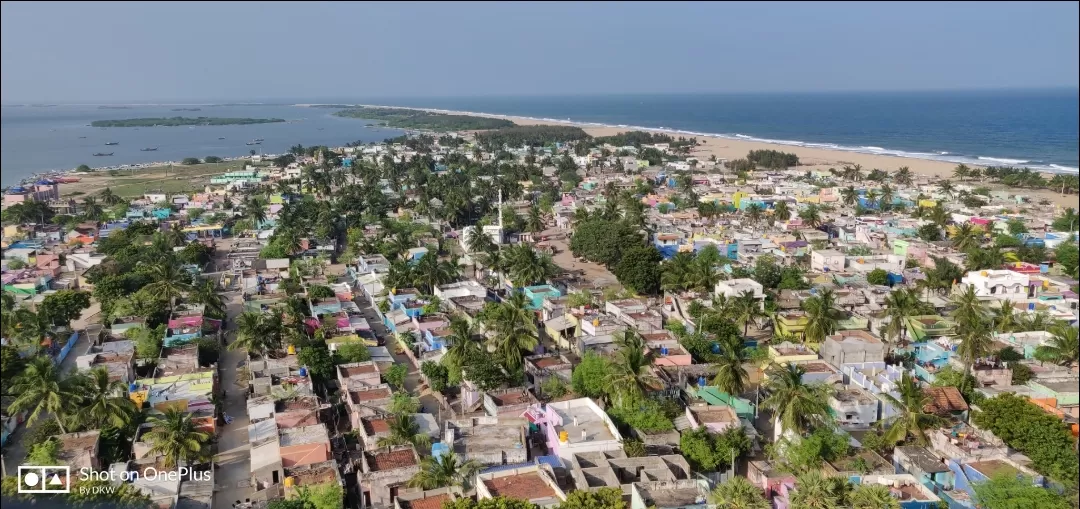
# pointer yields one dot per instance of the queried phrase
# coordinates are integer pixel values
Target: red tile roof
(945, 400)
(432, 502)
(391, 460)
(522, 486)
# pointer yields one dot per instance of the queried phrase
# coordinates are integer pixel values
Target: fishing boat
(112, 143)
(102, 154)
(148, 149)
(221, 137)
(82, 137)
(258, 140)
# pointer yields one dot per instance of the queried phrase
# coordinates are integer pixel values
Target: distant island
(332, 106)
(109, 107)
(182, 121)
(187, 109)
(415, 119)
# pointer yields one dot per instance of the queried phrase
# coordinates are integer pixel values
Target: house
(906, 489)
(429, 499)
(926, 467)
(575, 426)
(787, 352)
(489, 440)
(827, 260)
(968, 473)
(80, 450)
(735, 288)
(999, 283)
(945, 401)
(847, 346)
(612, 469)
(684, 494)
(311, 475)
(715, 418)
(853, 406)
(366, 373)
(534, 483)
(384, 472)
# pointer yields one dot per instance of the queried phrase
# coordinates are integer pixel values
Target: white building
(998, 283)
(827, 260)
(735, 288)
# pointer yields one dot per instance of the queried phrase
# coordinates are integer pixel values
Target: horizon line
(329, 100)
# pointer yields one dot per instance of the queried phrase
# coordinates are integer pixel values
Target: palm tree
(254, 210)
(797, 406)
(169, 281)
(811, 215)
(731, 376)
(1005, 316)
(527, 267)
(703, 276)
(257, 332)
(849, 195)
(103, 402)
(630, 377)
(782, 211)
(968, 310)
(946, 187)
(405, 431)
(108, 197)
(676, 272)
(534, 223)
(462, 343)
(431, 272)
(903, 176)
(822, 316)
(872, 198)
(965, 237)
(900, 306)
(872, 496)
(746, 309)
(445, 471)
(976, 341)
(816, 491)
(753, 213)
(479, 241)
(42, 389)
(175, 436)
(911, 417)
(887, 196)
(961, 172)
(514, 330)
(207, 295)
(1063, 347)
(738, 493)
(92, 209)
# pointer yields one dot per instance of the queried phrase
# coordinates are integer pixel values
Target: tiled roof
(522, 486)
(392, 460)
(373, 426)
(945, 400)
(432, 502)
(369, 395)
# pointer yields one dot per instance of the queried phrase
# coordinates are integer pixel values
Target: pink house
(575, 426)
(669, 353)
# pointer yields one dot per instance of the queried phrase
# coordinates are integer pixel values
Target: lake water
(36, 139)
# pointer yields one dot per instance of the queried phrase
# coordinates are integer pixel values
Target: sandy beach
(812, 158)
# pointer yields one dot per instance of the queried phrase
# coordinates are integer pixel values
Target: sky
(129, 51)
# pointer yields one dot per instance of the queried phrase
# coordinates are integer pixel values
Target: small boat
(102, 154)
(149, 149)
(112, 143)
(221, 137)
(257, 140)
(82, 137)
(250, 143)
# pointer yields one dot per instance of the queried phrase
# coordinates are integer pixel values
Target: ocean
(36, 139)
(1034, 128)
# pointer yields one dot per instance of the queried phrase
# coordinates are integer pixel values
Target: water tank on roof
(701, 381)
(133, 387)
(289, 481)
(291, 350)
(716, 348)
(303, 371)
(663, 351)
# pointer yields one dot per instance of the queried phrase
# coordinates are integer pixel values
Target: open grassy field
(133, 183)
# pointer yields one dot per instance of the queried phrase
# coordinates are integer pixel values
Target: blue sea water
(1033, 128)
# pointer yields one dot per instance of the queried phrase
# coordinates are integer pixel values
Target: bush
(878, 277)
(708, 451)
(438, 377)
(553, 387)
(355, 351)
(395, 376)
(1036, 434)
(212, 159)
(189, 161)
(319, 292)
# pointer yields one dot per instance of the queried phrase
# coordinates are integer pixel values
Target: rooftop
(945, 400)
(578, 418)
(360, 396)
(303, 435)
(854, 335)
(383, 460)
(432, 502)
(528, 486)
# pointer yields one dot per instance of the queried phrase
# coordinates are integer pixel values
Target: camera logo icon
(47, 479)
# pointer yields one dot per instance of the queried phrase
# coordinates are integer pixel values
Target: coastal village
(529, 316)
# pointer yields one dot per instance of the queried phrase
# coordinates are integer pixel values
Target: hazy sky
(86, 52)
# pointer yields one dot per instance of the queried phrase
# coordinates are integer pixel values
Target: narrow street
(232, 464)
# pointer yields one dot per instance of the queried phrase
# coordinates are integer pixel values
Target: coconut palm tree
(1004, 316)
(109, 198)
(961, 172)
(872, 198)
(174, 435)
(445, 471)
(168, 281)
(675, 274)
(41, 389)
(731, 376)
(822, 316)
(965, 237)
(103, 402)
(849, 195)
(816, 491)
(946, 187)
(796, 405)
(254, 211)
(746, 308)
(533, 222)
(91, 209)
(753, 213)
(207, 295)
(910, 419)
(811, 215)
(968, 310)
(738, 493)
(900, 305)
(976, 341)
(703, 276)
(903, 176)
(872, 496)
(885, 200)
(479, 241)
(513, 328)
(782, 211)
(630, 377)
(431, 272)
(527, 267)
(258, 332)
(1063, 347)
(405, 431)
(463, 343)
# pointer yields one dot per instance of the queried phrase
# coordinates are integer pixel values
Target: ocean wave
(1002, 160)
(942, 156)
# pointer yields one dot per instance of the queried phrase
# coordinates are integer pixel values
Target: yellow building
(791, 323)
(790, 352)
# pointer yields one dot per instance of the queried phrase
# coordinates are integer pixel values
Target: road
(232, 474)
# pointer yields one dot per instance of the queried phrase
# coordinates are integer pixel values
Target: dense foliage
(1036, 434)
(529, 135)
(182, 121)
(772, 159)
(417, 119)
